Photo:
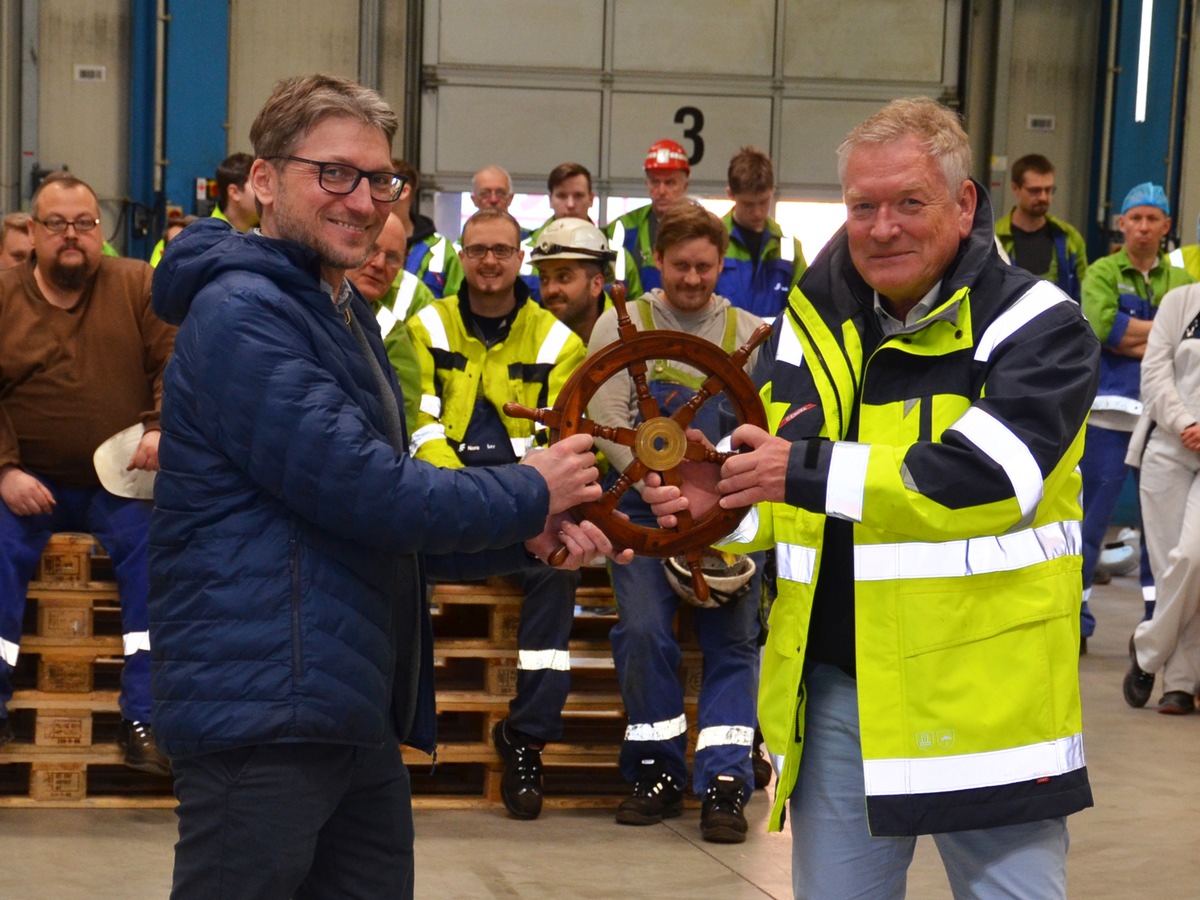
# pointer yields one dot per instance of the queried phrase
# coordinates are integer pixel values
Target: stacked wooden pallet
(64, 706)
(475, 634)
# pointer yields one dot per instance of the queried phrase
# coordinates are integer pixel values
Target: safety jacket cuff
(807, 474)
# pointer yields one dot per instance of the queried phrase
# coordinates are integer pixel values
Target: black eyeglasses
(479, 251)
(342, 178)
(57, 224)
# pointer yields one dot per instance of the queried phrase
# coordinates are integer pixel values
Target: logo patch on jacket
(796, 412)
(943, 737)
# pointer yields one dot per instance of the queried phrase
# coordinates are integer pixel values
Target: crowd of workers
(333, 433)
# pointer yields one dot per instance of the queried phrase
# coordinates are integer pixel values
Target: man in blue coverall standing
(762, 264)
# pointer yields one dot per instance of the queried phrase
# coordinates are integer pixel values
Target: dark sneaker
(1176, 703)
(521, 785)
(721, 818)
(762, 765)
(6, 732)
(655, 797)
(1138, 684)
(141, 753)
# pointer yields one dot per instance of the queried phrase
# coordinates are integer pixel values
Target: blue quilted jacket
(289, 541)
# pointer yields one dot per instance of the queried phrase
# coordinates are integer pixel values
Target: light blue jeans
(834, 855)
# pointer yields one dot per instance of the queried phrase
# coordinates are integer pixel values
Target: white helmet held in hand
(728, 575)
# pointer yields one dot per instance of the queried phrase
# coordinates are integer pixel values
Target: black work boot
(141, 753)
(655, 797)
(1137, 684)
(721, 818)
(7, 736)
(762, 765)
(521, 785)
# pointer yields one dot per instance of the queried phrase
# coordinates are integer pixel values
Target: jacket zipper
(824, 368)
(294, 566)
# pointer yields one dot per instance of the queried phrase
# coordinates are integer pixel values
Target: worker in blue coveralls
(762, 264)
(689, 250)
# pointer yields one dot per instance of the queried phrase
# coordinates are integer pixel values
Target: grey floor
(1141, 840)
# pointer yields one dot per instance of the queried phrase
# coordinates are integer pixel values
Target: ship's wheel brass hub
(660, 444)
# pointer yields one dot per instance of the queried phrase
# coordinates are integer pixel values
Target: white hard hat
(111, 460)
(572, 239)
(728, 575)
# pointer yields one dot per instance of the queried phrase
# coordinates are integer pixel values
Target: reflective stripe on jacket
(436, 263)
(1187, 257)
(630, 237)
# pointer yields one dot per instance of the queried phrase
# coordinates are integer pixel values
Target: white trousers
(1170, 494)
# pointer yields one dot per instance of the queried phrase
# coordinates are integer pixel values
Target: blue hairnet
(1147, 194)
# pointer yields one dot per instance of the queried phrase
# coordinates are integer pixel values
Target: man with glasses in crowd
(395, 296)
(293, 531)
(491, 188)
(1035, 240)
(490, 345)
(81, 358)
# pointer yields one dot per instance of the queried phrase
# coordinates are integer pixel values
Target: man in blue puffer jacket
(292, 532)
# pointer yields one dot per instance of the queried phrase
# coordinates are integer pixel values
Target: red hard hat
(666, 156)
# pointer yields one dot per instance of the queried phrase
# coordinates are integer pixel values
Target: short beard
(68, 277)
(306, 231)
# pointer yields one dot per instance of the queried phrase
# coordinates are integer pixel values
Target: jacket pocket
(978, 607)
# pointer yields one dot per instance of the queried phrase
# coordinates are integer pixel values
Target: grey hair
(500, 169)
(936, 128)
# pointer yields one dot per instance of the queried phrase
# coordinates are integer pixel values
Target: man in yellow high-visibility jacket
(919, 483)
(479, 350)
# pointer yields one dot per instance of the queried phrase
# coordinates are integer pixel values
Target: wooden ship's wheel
(659, 443)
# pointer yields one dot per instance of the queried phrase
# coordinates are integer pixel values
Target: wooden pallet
(64, 707)
(73, 784)
(65, 710)
(475, 629)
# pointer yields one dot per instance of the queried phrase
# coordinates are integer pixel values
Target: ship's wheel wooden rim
(659, 443)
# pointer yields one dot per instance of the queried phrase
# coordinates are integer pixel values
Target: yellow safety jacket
(962, 487)
(529, 366)
(407, 296)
